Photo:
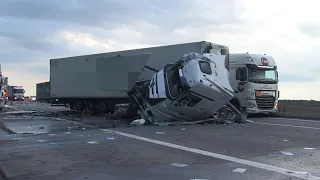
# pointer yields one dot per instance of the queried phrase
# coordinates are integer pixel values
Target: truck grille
(265, 102)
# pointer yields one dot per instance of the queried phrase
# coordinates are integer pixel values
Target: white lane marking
(303, 120)
(210, 154)
(284, 125)
(216, 155)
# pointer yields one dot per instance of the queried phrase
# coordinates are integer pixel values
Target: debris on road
(183, 129)
(138, 122)
(178, 165)
(19, 112)
(42, 140)
(110, 138)
(16, 138)
(92, 142)
(287, 153)
(67, 132)
(299, 172)
(239, 170)
(306, 148)
(160, 132)
(52, 134)
(52, 143)
(286, 140)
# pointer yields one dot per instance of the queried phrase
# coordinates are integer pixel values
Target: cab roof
(256, 59)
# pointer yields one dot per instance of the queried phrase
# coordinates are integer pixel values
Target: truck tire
(241, 118)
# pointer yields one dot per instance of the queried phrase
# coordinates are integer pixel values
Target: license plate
(264, 93)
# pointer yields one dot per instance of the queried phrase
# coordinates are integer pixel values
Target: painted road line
(292, 119)
(218, 156)
(284, 125)
(211, 154)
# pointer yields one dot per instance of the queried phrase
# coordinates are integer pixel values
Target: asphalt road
(74, 146)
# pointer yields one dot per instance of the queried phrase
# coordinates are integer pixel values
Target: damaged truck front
(194, 88)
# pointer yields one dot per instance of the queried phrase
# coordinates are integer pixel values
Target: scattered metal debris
(110, 138)
(239, 170)
(183, 129)
(287, 153)
(178, 165)
(307, 148)
(286, 140)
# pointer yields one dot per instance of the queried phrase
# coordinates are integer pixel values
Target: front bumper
(260, 111)
(252, 108)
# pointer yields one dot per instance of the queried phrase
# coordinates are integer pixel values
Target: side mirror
(5, 81)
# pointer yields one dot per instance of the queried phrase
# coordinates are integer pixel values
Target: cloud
(33, 32)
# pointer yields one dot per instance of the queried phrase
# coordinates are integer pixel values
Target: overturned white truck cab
(194, 88)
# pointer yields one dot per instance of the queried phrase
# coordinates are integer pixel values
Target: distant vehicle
(16, 93)
(3, 89)
(43, 91)
(32, 98)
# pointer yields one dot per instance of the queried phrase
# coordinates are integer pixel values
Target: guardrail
(306, 111)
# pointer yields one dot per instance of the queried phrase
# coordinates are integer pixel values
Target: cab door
(240, 85)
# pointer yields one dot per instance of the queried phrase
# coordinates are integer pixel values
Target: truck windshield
(265, 76)
(18, 91)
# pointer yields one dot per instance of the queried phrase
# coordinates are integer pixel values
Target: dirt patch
(6, 141)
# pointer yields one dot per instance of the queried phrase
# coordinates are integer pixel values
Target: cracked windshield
(181, 90)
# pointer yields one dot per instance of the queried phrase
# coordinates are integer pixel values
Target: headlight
(276, 105)
(251, 105)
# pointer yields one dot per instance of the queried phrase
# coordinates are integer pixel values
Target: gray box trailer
(43, 91)
(110, 75)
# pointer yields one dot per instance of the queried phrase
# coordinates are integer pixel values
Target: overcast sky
(33, 31)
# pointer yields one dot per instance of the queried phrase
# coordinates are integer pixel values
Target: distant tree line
(289, 101)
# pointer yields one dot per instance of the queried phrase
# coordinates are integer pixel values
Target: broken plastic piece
(138, 122)
(287, 153)
(42, 141)
(92, 142)
(309, 148)
(160, 132)
(239, 170)
(178, 165)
